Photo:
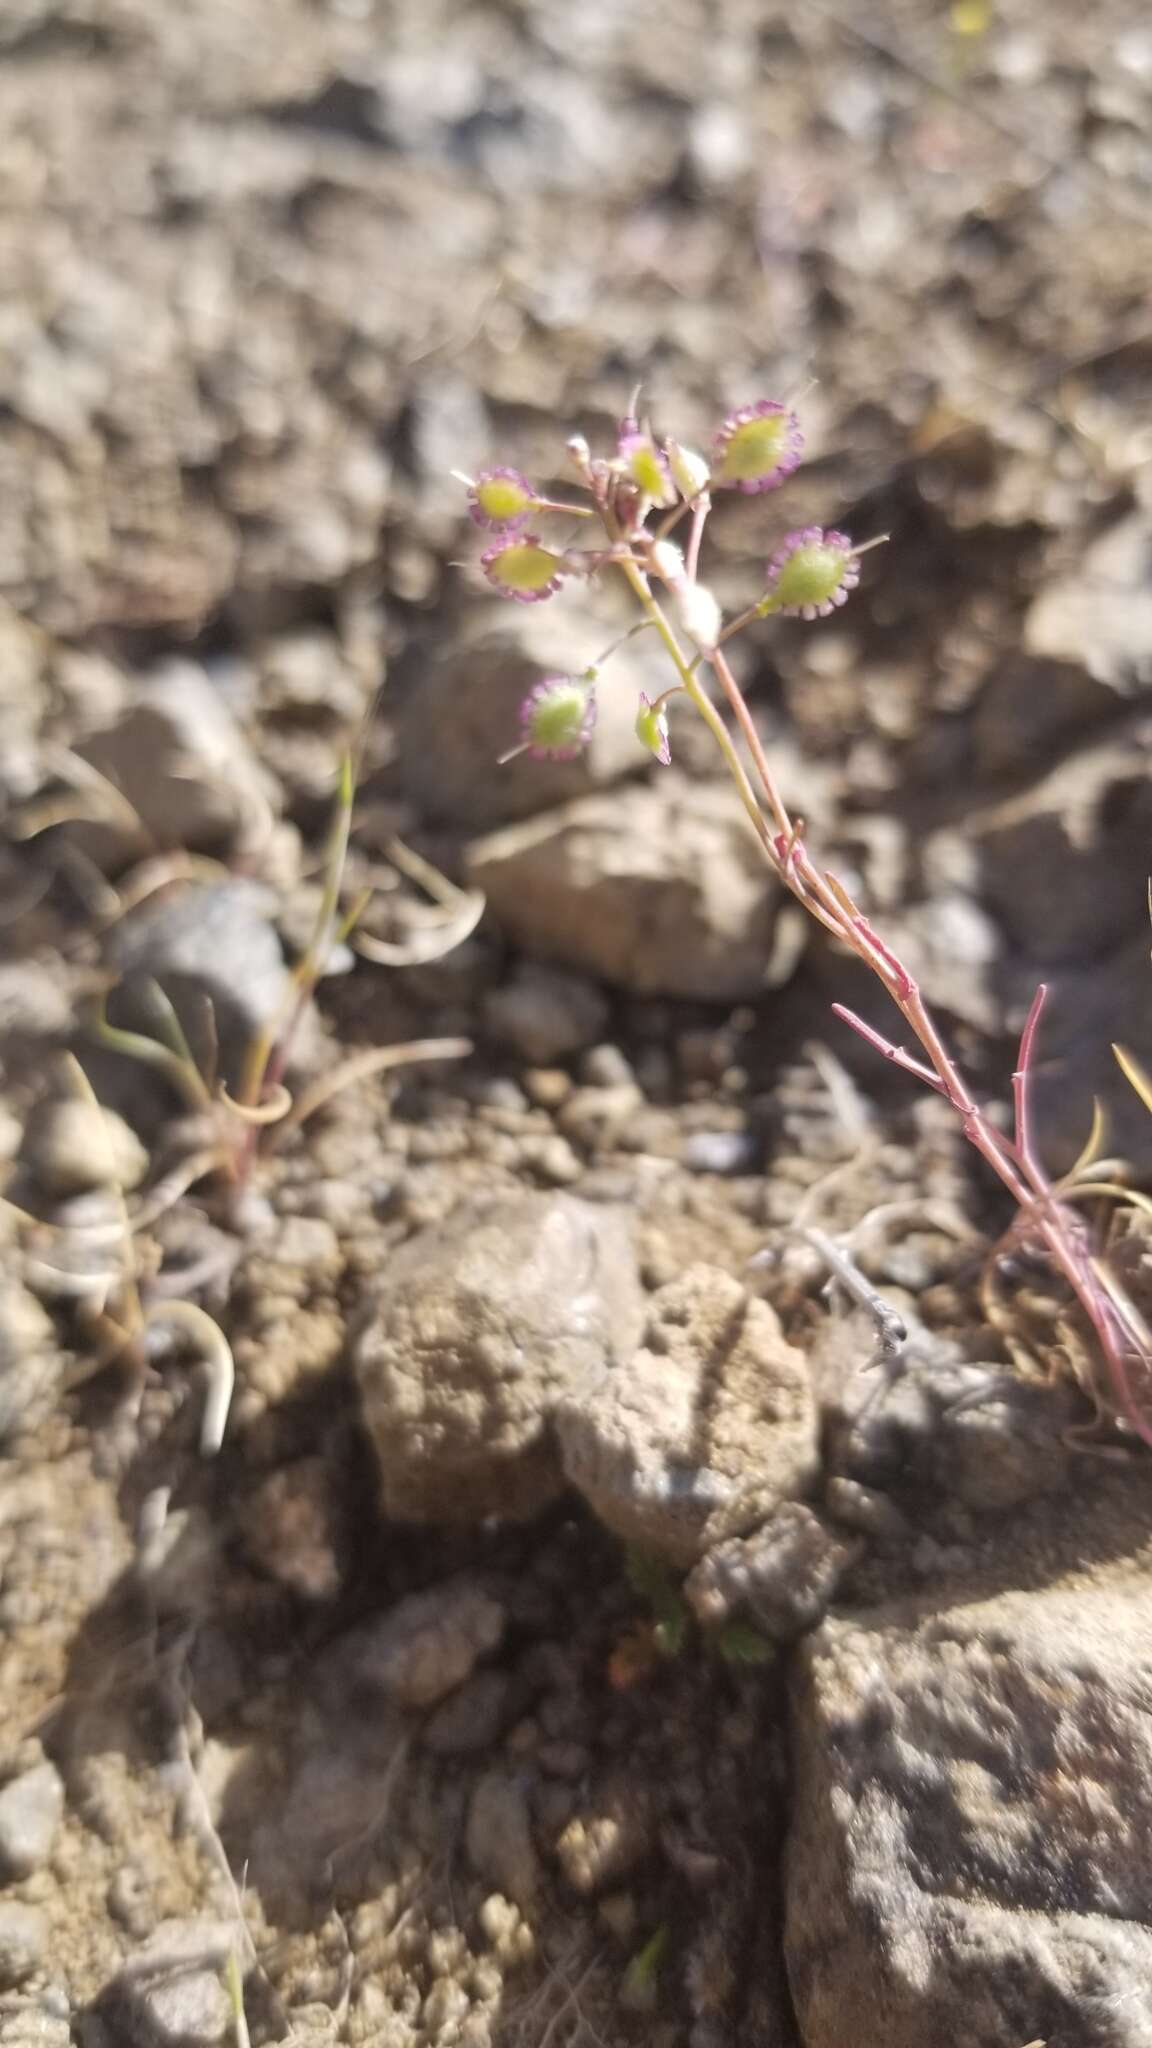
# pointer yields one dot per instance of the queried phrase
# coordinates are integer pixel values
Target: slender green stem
(707, 710)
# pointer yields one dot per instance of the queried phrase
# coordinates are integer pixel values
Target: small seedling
(641, 1986)
(263, 1103)
(124, 1326)
(672, 1626)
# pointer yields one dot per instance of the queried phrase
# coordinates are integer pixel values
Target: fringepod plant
(637, 496)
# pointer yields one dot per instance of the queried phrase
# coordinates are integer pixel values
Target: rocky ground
(570, 1641)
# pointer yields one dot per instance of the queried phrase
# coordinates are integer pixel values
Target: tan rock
(704, 1431)
(481, 1323)
(657, 887)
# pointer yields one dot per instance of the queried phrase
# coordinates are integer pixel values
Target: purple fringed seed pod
(757, 447)
(501, 498)
(520, 566)
(557, 717)
(812, 571)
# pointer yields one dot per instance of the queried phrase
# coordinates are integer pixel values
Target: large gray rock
(213, 944)
(661, 888)
(479, 1324)
(971, 1850)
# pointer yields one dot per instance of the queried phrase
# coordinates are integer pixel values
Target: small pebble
(191, 2007)
(719, 1151)
(446, 2005)
(547, 1087)
(428, 1644)
(23, 1941)
(605, 1066)
(30, 1810)
(73, 1145)
(471, 1719)
(499, 1837)
(171, 1992)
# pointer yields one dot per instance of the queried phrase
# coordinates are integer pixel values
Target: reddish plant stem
(1116, 1321)
(1017, 1165)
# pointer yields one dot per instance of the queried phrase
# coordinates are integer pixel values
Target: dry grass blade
(377, 1060)
(269, 1052)
(273, 1111)
(1114, 1191)
(424, 947)
(465, 908)
(1135, 1075)
(97, 801)
(1093, 1144)
(221, 1367)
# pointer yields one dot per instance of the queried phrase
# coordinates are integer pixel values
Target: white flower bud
(699, 614)
(667, 561)
(690, 471)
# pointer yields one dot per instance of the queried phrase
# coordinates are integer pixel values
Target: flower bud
(652, 729)
(557, 717)
(645, 465)
(757, 447)
(698, 613)
(812, 571)
(520, 566)
(690, 472)
(667, 561)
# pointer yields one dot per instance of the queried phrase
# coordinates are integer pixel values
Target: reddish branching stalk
(1120, 1330)
(814, 572)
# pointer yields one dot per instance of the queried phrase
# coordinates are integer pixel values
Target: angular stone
(658, 887)
(480, 1323)
(1060, 865)
(971, 1849)
(1099, 613)
(30, 1364)
(171, 1992)
(703, 1431)
(429, 1643)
